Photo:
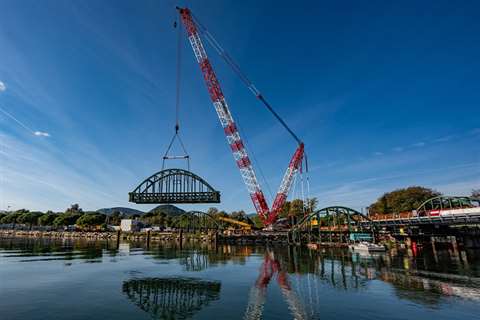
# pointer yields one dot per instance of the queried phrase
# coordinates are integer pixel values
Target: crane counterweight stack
(231, 132)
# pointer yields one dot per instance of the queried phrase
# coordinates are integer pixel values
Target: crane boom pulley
(232, 134)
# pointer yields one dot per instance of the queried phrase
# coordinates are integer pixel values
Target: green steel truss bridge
(442, 210)
(174, 186)
(337, 223)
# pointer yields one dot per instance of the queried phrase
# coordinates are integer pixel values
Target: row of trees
(399, 200)
(76, 216)
(72, 216)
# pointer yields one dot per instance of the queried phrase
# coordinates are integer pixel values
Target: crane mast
(233, 136)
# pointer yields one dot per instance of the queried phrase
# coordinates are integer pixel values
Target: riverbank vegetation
(407, 199)
(163, 216)
(396, 201)
(402, 200)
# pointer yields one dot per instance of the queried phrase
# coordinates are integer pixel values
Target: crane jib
(232, 135)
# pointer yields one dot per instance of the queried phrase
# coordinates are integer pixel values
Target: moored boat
(366, 247)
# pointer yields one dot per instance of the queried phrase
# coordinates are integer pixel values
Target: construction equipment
(268, 216)
(245, 226)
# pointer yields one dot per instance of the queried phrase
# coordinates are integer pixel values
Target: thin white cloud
(398, 149)
(47, 179)
(418, 144)
(41, 134)
(378, 153)
(445, 138)
(23, 125)
(475, 131)
(3, 87)
(53, 179)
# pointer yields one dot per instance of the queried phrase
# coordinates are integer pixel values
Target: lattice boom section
(226, 119)
(174, 186)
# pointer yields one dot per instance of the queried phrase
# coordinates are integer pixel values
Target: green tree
(74, 208)
(169, 221)
(239, 215)
(115, 218)
(28, 218)
(402, 200)
(285, 210)
(311, 205)
(12, 217)
(296, 208)
(212, 211)
(215, 213)
(66, 219)
(257, 222)
(9, 218)
(157, 218)
(47, 219)
(91, 219)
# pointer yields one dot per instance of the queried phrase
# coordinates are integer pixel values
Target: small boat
(366, 247)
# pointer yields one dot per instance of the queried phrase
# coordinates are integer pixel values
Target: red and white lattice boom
(267, 216)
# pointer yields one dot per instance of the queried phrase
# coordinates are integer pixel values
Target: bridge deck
(444, 219)
(186, 197)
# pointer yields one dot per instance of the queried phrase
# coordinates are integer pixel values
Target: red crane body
(244, 164)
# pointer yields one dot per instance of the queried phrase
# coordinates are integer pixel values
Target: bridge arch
(174, 186)
(447, 203)
(197, 220)
(334, 218)
(161, 297)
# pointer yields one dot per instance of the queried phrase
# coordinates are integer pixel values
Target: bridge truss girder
(174, 186)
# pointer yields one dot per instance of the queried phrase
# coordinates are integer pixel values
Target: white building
(129, 225)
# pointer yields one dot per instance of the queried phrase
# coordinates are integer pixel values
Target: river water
(64, 279)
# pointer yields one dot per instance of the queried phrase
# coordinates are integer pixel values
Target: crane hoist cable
(240, 154)
(176, 135)
(243, 77)
(235, 67)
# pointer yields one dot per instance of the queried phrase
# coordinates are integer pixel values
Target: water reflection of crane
(270, 268)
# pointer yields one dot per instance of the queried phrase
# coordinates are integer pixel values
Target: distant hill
(168, 209)
(122, 210)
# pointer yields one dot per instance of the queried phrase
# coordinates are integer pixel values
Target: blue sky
(384, 94)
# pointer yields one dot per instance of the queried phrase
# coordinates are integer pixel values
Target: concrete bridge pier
(434, 249)
(148, 239)
(409, 246)
(464, 258)
(180, 238)
(471, 241)
(453, 241)
(119, 235)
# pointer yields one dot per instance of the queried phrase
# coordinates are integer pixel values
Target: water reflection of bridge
(408, 274)
(421, 277)
(303, 275)
(171, 298)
